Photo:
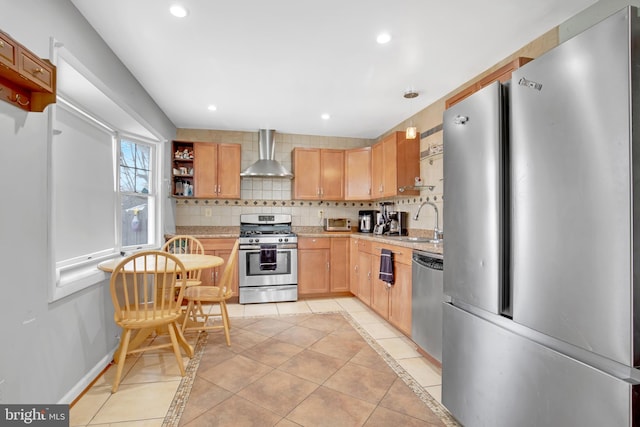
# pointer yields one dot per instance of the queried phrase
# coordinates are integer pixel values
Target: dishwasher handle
(428, 262)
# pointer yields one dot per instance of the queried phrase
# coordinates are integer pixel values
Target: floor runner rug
(309, 369)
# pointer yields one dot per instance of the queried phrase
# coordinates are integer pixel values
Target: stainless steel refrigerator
(542, 226)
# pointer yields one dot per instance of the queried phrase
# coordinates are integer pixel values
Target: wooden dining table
(191, 262)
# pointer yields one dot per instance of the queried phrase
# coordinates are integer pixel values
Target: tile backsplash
(205, 212)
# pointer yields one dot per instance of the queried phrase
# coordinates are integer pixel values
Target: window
(136, 193)
(103, 182)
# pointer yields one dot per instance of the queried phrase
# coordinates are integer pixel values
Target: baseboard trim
(87, 381)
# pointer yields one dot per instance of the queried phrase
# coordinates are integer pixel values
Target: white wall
(48, 351)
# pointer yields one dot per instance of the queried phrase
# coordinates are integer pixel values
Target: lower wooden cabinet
(364, 278)
(391, 302)
(222, 248)
(333, 265)
(314, 260)
(323, 265)
(339, 264)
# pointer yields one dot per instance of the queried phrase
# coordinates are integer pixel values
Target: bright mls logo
(34, 415)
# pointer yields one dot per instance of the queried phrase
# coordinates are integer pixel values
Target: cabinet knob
(38, 70)
(1, 43)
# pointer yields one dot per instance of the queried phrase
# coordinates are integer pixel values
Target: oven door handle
(278, 246)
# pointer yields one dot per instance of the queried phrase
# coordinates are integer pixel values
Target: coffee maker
(398, 223)
(366, 221)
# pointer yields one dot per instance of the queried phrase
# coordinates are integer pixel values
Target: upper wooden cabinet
(395, 163)
(318, 174)
(217, 170)
(357, 167)
(26, 81)
(212, 170)
(502, 74)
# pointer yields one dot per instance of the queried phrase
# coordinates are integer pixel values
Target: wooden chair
(183, 244)
(143, 289)
(196, 320)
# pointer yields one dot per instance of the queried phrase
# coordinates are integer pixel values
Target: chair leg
(173, 331)
(223, 305)
(187, 315)
(225, 321)
(121, 358)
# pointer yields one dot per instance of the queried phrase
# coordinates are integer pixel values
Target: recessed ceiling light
(212, 108)
(383, 38)
(178, 11)
(325, 116)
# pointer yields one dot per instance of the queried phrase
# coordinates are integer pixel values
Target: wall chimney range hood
(266, 166)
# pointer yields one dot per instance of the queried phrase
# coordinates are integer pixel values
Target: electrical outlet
(320, 213)
(208, 212)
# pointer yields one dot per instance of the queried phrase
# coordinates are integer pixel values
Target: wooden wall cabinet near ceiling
(318, 174)
(357, 170)
(213, 170)
(26, 81)
(217, 170)
(395, 163)
(502, 74)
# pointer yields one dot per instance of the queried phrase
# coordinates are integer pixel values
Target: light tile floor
(150, 380)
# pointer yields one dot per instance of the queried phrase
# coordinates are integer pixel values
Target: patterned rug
(181, 397)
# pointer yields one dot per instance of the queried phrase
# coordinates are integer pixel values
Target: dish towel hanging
(268, 257)
(386, 266)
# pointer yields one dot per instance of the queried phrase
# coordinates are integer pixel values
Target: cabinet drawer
(314, 243)
(7, 51)
(213, 244)
(400, 253)
(36, 70)
(364, 246)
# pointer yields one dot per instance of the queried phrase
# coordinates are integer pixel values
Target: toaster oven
(337, 224)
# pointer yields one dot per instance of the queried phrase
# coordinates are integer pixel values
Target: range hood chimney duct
(266, 166)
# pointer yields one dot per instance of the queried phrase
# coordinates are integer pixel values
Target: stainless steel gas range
(268, 259)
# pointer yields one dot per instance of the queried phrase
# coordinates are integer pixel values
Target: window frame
(80, 272)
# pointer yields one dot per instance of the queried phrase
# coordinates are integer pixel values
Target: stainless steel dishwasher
(426, 302)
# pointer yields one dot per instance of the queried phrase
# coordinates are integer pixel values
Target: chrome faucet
(437, 233)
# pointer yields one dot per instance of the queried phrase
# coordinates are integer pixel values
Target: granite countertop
(391, 240)
(217, 232)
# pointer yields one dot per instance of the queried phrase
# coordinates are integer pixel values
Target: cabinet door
(205, 161)
(332, 171)
(379, 289)
(313, 271)
(306, 171)
(224, 254)
(354, 270)
(228, 175)
(221, 248)
(389, 166)
(364, 277)
(339, 264)
(400, 298)
(358, 174)
(377, 171)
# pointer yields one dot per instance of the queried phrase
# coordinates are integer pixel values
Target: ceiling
(281, 64)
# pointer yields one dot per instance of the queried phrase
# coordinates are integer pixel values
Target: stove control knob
(280, 240)
(250, 240)
(286, 239)
(257, 240)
